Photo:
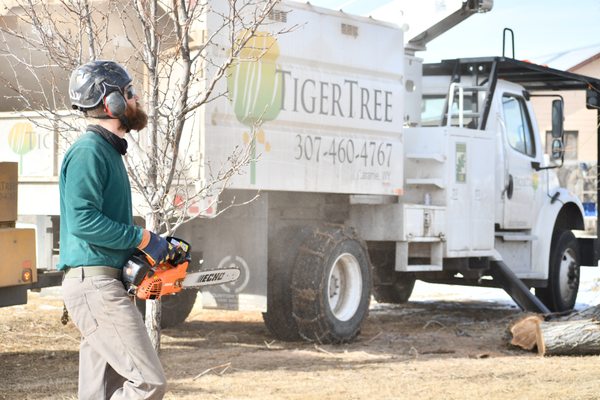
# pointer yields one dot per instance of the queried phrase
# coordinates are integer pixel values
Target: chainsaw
(150, 283)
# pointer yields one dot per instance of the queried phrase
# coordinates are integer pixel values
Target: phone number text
(368, 153)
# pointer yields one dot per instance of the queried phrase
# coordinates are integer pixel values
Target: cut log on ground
(524, 331)
(587, 313)
(556, 334)
(580, 337)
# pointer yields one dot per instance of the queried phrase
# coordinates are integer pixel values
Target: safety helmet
(90, 83)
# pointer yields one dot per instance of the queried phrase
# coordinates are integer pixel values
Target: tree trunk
(153, 308)
(573, 334)
(580, 337)
(153, 322)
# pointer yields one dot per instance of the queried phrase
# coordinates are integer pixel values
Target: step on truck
(374, 170)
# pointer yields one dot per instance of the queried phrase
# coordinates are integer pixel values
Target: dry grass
(442, 350)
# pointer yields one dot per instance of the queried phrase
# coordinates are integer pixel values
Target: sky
(553, 32)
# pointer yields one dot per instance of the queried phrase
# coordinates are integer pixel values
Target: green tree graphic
(254, 89)
(22, 139)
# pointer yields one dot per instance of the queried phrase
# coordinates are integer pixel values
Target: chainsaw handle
(180, 256)
(182, 250)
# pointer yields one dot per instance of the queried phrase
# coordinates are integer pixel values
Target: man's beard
(134, 119)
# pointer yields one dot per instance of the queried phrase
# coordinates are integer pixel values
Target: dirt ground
(421, 350)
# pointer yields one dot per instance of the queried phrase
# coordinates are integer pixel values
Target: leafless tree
(179, 52)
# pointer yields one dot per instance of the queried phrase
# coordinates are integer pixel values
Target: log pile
(558, 334)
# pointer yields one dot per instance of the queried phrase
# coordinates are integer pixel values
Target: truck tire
(174, 308)
(279, 318)
(331, 285)
(563, 278)
(389, 286)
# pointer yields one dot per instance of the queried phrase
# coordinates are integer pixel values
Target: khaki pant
(116, 357)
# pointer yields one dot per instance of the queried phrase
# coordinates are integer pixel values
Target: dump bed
(322, 107)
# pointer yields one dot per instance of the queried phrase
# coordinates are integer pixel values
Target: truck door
(519, 149)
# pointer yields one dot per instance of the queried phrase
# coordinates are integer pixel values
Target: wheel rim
(569, 274)
(344, 287)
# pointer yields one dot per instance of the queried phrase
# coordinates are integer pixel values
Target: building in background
(581, 130)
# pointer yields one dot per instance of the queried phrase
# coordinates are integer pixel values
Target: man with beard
(97, 236)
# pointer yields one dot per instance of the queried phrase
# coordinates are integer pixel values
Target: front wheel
(563, 278)
(331, 285)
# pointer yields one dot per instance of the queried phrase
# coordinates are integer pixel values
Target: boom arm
(468, 8)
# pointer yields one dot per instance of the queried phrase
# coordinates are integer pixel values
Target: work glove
(156, 248)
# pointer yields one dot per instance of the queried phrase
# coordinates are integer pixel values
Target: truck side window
(432, 110)
(518, 126)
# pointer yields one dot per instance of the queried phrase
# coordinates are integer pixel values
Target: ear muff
(115, 105)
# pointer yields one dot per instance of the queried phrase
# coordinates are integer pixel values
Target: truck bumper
(15, 295)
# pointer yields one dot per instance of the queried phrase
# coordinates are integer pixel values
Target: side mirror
(558, 149)
(557, 120)
(592, 99)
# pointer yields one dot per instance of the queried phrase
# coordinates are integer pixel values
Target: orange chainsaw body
(162, 280)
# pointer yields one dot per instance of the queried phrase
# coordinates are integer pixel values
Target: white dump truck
(374, 170)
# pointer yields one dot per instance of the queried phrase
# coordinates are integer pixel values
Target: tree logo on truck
(22, 139)
(254, 89)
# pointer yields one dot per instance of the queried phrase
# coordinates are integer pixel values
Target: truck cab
(532, 225)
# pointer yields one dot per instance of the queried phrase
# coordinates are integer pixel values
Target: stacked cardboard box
(17, 245)
(18, 264)
(8, 191)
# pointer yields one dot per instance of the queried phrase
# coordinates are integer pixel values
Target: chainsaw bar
(210, 277)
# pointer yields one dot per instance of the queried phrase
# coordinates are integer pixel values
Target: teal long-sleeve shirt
(96, 219)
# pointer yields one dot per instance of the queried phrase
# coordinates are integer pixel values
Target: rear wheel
(331, 285)
(279, 318)
(563, 278)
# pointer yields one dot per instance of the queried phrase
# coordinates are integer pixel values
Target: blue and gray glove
(156, 248)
